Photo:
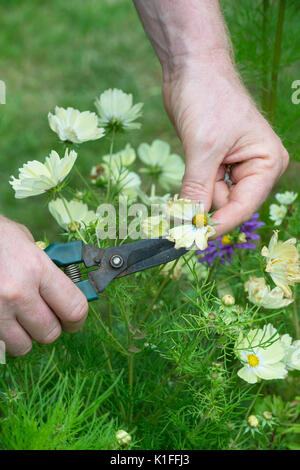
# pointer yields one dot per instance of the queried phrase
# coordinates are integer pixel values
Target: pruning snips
(111, 263)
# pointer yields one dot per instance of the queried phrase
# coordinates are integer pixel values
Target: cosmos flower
(116, 110)
(259, 293)
(124, 157)
(73, 126)
(292, 352)
(277, 213)
(194, 229)
(262, 355)
(167, 168)
(288, 197)
(76, 213)
(282, 263)
(224, 247)
(36, 178)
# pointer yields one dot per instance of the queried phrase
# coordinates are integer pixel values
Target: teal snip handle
(64, 254)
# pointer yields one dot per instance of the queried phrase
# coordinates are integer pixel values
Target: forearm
(183, 32)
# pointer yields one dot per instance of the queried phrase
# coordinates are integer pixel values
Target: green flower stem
(130, 358)
(109, 164)
(249, 411)
(120, 348)
(114, 379)
(276, 60)
(86, 184)
(72, 221)
(295, 317)
(265, 85)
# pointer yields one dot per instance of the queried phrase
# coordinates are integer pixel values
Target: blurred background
(66, 52)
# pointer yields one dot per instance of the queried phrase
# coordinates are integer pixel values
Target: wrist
(218, 58)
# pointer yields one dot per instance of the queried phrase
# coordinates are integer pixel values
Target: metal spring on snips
(73, 272)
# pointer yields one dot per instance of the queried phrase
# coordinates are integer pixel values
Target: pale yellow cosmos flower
(282, 263)
(193, 230)
(74, 126)
(259, 293)
(36, 178)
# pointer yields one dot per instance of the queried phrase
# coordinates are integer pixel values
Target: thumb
(199, 178)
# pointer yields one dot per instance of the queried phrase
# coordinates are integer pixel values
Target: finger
(221, 194)
(17, 341)
(244, 199)
(64, 298)
(200, 175)
(39, 321)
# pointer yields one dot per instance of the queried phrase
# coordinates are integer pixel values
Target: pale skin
(218, 124)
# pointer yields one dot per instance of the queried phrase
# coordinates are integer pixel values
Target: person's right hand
(37, 300)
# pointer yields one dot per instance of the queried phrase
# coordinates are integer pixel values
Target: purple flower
(224, 247)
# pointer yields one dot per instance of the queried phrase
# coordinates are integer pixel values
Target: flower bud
(253, 421)
(228, 299)
(267, 415)
(40, 244)
(123, 437)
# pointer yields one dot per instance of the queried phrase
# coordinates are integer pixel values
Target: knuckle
(12, 293)
(285, 159)
(51, 335)
(194, 190)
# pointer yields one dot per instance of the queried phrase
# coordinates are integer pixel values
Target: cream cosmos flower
(286, 198)
(282, 263)
(79, 212)
(194, 230)
(259, 293)
(277, 213)
(37, 178)
(115, 110)
(262, 354)
(292, 352)
(73, 126)
(166, 167)
(123, 158)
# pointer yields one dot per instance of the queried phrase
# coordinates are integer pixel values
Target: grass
(170, 392)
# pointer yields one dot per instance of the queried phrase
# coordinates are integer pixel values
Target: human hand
(37, 300)
(219, 124)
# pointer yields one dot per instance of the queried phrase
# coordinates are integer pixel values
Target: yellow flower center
(199, 220)
(274, 261)
(226, 240)
(253, 360)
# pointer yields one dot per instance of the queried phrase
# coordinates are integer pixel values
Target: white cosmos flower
(193, 231)
(115, 110)
(37, 178)
(277, 213)
(154, 199)
(288, 197)
(155, 226)
(123, 158)
(292, 352)
(259, 293)
(167, 167)
(262, 354)
(282, 263)
(79, 212)
(73, 126)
